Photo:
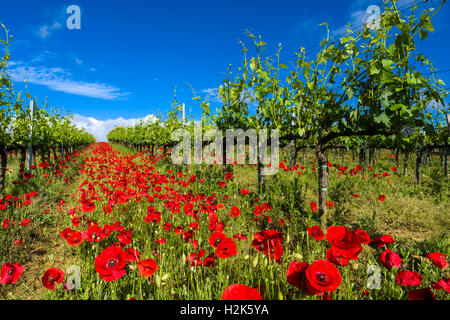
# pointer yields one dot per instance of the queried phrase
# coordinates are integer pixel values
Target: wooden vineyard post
(322, 181)
(419, 167)
(291, 154)
(30, 147)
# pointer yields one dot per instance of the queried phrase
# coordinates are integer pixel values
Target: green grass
(415, 215)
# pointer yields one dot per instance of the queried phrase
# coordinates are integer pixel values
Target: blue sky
(128, 56)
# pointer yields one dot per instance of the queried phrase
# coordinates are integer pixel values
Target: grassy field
(188, 266)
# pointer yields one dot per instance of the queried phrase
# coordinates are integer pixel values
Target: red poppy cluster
(113, 180)
(269, 242)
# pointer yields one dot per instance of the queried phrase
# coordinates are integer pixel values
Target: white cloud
(212, 95)
(99, 128)
(45, 55)
(46, 30)
(59, 79)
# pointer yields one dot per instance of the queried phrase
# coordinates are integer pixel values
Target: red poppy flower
(363, 236)
(51, 277)
(222, 184)
(25, 222)
(240, 236)
(313, 206)
(75, 238)
(106, 230)
(240, 292)
(296, 274)
(75, 221)
(147, 267)
(316, 232)
(110, 263)
(439, 259)
(161, 240)
(132, 255)
(258, 210)
(390, 259)
(408, 278)
(193, 225)
(10, 273)
(6, 223)
(66, 233)
(188, 207)
(345, 242)
(269, 242)
(88, 207)
(216, 238)
(382, 198)
(107, 209)
(209, 261)
(125, 237)
(226, 249)
(323, 276)
(235, 212)
(93, 233)
(443, 284)
(244, 192)
(178, 230)
(421, 294)
(381, 241)
(188, 235)
(336, 258)
(330, 204)
(220, 226)
(228, 176)
(154, 217)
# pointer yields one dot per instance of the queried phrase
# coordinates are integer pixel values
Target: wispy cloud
(46, 30)
(212, 95)
(357, 20)
(100, 129)
(44, 56)
(59, 79)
